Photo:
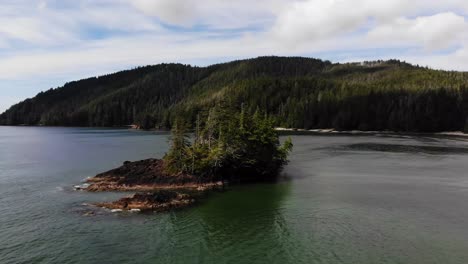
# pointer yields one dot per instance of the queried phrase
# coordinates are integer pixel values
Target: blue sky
(45, 43)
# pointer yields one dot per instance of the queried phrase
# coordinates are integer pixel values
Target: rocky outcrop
(156, 189)
(155, 202)
(144, 176)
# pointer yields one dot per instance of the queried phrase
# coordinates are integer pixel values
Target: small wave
(86, 179)
(81, 187)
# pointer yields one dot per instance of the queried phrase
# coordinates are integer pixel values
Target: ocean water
(348, 199)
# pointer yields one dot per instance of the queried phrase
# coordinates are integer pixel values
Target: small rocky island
(157, 190)
(144, 176)
(159, 201)
(228, 146)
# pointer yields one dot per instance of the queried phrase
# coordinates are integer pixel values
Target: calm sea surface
(351, 199)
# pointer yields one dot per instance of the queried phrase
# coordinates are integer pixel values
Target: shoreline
(106, 185)
(318, 131)
(331, 131)
(154, 189)
(149, 202)
(125, 127)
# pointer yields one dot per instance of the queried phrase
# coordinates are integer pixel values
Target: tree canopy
(228, 145)
(294, 92)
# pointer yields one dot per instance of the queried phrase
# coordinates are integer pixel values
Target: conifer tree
(230, 145)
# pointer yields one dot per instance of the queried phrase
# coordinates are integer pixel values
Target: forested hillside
(296, 92)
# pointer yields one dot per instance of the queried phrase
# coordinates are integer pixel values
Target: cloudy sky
(46, 43)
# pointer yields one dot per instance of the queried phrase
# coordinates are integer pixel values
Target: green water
(360, 199)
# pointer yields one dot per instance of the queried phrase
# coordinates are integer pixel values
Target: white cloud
(32, 30)
(317, 19)
(82, 37)
(180, 12)
(432, 32)
(215, 14)
(42, 5)
(457, 60)
(47, 27)
(390, 21)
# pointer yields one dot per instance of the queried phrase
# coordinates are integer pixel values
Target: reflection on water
(351, 199)
(243, 223)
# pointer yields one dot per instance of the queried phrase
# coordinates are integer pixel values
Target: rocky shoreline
(144, 176)
(156, 190)
(150, 202)
(332, 131)
(110, 185)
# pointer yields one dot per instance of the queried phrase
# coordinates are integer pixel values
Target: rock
(157, 202)
(81, 187)
(156, 189)
(143, 175)
(90, 213)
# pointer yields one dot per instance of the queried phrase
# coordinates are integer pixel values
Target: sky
(46, 43)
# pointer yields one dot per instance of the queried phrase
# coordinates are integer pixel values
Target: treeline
(295, 92)
(228, 144)
(316, 103)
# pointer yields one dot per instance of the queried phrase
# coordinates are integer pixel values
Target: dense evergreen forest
(295, 92)
(227, 146)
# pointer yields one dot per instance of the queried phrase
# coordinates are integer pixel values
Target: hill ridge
(298, 92)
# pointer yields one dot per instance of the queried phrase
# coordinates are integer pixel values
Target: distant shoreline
(331, 131)
(283, 130)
